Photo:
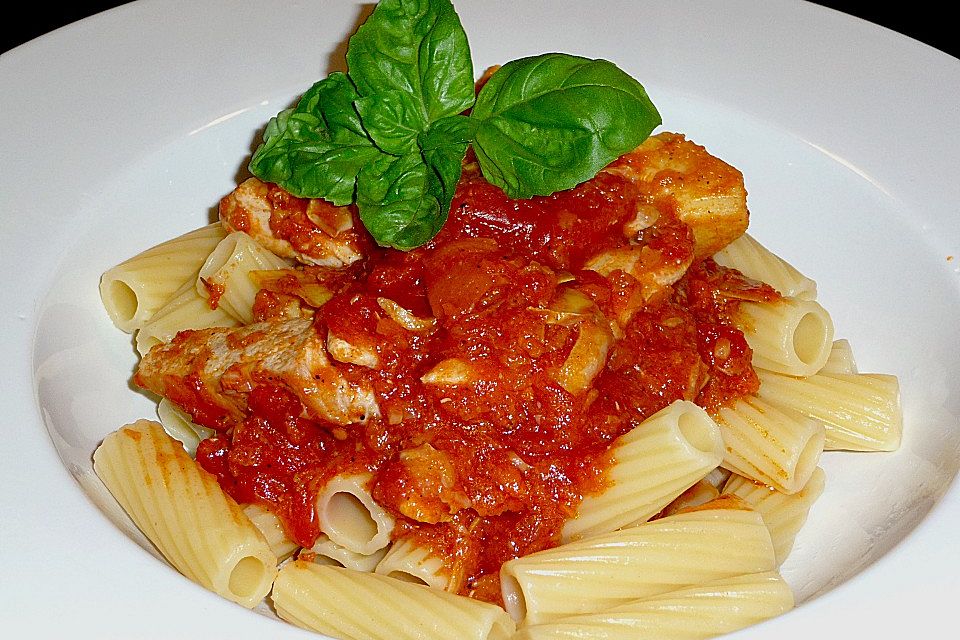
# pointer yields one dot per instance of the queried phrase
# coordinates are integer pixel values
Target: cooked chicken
(211, 372)
(426, 485)
(310, 231)
(678, 176)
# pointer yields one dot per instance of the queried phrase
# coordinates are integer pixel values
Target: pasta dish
(562, 416)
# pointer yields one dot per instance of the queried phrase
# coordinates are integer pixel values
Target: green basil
(316, 149)
(444, 147)
(397, 204)
(404, 201)
(417, 47)
(390, 135)
(550, 122)
(393, 121)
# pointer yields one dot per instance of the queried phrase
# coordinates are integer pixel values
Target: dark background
(919, 21)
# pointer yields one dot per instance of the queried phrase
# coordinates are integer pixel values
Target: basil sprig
(390, 134)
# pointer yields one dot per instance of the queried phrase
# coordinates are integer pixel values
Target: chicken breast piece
(311, 231)
(210, 372)
(704, 192)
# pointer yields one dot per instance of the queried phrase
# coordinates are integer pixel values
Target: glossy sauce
(487, 465)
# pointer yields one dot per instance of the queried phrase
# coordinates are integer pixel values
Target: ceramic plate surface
(126, 129)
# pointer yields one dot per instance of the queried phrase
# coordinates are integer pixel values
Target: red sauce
(214, 292)
(494, 466)
(560, 230)
(713, 294)
(274, 456)
(190, 393)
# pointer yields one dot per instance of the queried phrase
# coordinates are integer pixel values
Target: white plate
(126, 128)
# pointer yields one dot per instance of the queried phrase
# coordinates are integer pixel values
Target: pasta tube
(407, 560)
(226, 274)
(326, 549)
(271, 528)
(651, 465)
(698, 612)
(772, 445)
(368, 606)
(841, 358)
(351, 518)
(135, 289)
(179, 426)
(721, 539)
(783, 514)
(718, 477)
(185, 310)
(860, 411)
(790, 336)
(752, 259)
(700, 493)
(184, 512)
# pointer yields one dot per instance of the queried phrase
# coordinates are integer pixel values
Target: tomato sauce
(560, 230)
(480, 451)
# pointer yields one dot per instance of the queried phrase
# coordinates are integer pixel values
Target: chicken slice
(210, 372)
(680, 177)
(311, 231)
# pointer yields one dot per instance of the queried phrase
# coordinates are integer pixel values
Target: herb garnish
(390, 134)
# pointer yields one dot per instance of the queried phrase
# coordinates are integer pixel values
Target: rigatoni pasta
(755, 261)
(783, 514)
(700, 493)
(791, 336)
(776, 446)
(369, 606)
(720, 539)
(326, 551)
(408, 560)
(135, 289)
(350, 516)
(841, 359)
(183, 511)
(860, 411)
(693, 613)
(179, 426)
(186, 309)
(650, 466)
(225, 276)
(271, 528)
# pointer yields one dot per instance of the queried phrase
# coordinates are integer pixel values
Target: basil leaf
(417, 47)
(550, 122)
(316, 149)
(404, 201)
(452, 129)
(393, 121)
(410, 63)
(444, 147)
(391, 138)
(396, 202)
